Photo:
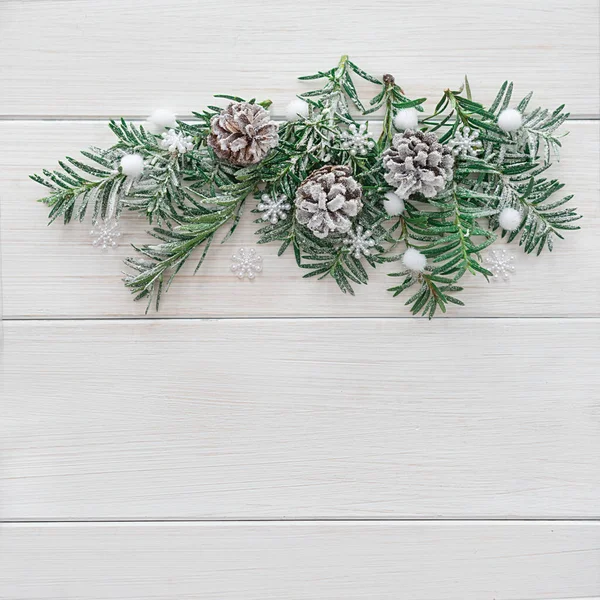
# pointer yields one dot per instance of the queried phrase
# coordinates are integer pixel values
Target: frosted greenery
(191, 196)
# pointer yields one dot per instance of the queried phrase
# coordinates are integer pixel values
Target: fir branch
(339, 264)
(101, 184)
(453, 241)
(160, 194)
(541, 220)
(539, 132)
(197, 227)
(69, 187)
(392, 98)
(192, 189)
(434, 292)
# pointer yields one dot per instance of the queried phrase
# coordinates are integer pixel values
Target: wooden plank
(301, 560)
(110, 58)
(299, 419)
(55, 272)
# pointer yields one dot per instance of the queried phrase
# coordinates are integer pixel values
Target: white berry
(161, 119)
(414, 260)
(297, 109)
(510, 120)
(406, 118)
(132, 165)
(509, 219)
(393, 204)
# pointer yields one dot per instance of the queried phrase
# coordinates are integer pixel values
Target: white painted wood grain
(278, 418)
(298, 561)
(55, 272)
(300, 418)
(113, 57)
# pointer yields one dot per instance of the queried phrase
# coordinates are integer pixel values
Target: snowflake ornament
(500, 263)
(357, 140)
(106, 234)
(465, 143)
(360, 241)
(274, 209)
(176, 142)
(246, 263)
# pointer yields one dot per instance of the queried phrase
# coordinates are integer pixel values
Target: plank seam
(141, 318)
(184, 521)
(190, 118)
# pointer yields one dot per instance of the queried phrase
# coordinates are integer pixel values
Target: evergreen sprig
(459, 224)
(77, 184)
(197, 228)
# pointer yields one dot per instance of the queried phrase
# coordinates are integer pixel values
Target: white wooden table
(278, 439)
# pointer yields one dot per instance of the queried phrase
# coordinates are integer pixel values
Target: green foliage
(77, 185)
(457, 225)
(190, 197)
(433, 292)
(538, 135)
(391, 97)
(544, 217)
(163, 261)
(99, 182)
(339, 87)
(307, 144)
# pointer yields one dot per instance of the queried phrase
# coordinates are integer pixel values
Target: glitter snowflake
(357, 140)
(176, 142)
(246, 263)
(465, 142)
(500, 263)
(274, 209)
(106, 234)
(360, 241)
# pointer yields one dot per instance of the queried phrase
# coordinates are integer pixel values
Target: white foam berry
(406, 118)
(510, 120)
(393, 204)
(297, 109)
(414, 260)
(132, 165)
(509, 219)
(161, 119)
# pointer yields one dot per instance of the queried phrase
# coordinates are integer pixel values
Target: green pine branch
(77, 185)
(155, 272)
(544, 218)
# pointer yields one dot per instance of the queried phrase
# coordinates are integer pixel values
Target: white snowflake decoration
(246, 263)
(360, 241)
(176, 142)
(465, 142)
(274, 209)
(357, 140)
(106, 234)
(500, 263)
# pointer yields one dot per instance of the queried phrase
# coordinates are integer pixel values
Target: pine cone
(417, 163)
(327, 199)
(242, 134)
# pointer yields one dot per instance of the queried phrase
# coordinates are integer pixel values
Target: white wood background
(278, 439)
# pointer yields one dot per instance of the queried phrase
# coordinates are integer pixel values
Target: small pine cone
(416, 163)
(242, 134)
(327, 199)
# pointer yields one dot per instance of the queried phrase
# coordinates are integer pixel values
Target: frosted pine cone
(327, 200)
(243, 133)
(416, 163)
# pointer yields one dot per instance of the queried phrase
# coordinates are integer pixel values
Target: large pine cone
(243, 133)
(416, 163)
(327, 199)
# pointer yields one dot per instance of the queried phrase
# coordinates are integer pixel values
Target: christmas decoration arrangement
(429, 193)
